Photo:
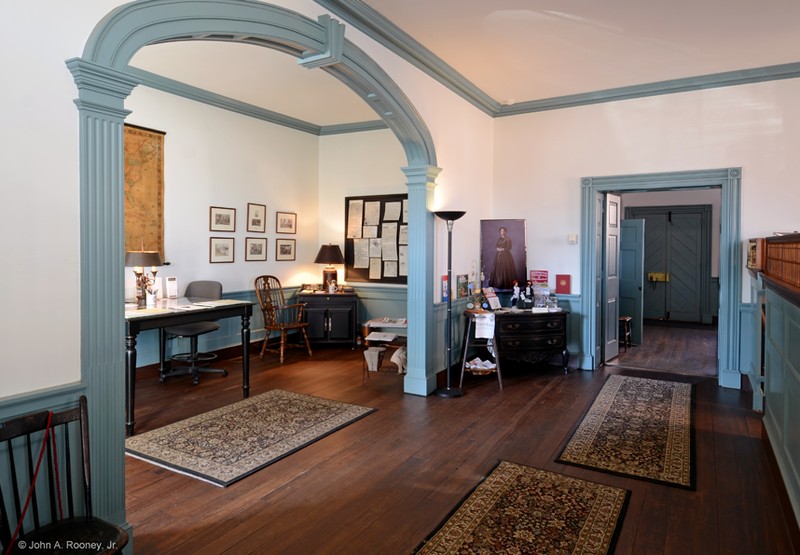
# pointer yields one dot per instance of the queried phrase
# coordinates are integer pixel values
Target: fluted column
(421, 375)
(101, 95)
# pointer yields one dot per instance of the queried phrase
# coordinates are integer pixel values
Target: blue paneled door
(631, 275)
(677, 270)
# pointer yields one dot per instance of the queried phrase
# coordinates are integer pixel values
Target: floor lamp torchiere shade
(449, 216)
(139, 261)
(329, 255)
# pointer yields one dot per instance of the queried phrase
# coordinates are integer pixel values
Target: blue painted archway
(103, 85)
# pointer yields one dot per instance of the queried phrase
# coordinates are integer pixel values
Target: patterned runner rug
(638, 427)
(229, 443)
(524, 510)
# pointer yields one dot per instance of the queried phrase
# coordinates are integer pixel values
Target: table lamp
(138, 260)
(449, 216)
(329, 255)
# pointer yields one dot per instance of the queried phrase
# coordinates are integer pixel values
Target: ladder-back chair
(278, 316)
(46, 487)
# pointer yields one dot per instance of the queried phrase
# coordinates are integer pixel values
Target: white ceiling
(511, 50)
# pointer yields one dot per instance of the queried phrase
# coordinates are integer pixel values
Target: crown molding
(672, 86)
(386, 33)
(190, 92)
(373, 24)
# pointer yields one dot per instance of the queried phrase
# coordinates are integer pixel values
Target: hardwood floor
(688, 349)
(383, 483)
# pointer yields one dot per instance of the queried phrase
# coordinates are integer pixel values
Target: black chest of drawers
(532, 337)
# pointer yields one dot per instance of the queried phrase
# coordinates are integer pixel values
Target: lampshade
(329, 254)
(143, 258)
(449, 215)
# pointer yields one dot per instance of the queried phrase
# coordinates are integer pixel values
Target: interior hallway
(674, 347)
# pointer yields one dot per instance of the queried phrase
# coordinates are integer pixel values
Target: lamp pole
(449, 216)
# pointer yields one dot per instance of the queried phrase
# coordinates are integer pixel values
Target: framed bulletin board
(376, 239)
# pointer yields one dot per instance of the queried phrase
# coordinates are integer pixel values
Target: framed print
(286, 222)
(221, 250)
(256, 218)
(503, 254)
(284, 249)
(222, 219)
(255, 249)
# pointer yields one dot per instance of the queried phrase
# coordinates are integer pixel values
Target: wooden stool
(625, 331)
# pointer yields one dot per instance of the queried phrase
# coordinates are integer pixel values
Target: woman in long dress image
(503, 269)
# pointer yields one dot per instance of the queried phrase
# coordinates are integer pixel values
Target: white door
(611, 282)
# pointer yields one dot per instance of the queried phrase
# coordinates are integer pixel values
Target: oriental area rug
(224, 445)
(524, 510)
(638, 427)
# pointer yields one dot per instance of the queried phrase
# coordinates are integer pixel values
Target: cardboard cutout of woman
(503, 269)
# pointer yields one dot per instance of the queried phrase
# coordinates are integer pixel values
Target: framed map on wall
(143, 194)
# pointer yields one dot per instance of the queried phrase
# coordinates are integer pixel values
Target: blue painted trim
(373, 24)
(367, 20)
(729, 180)
(187, 91)
(103, 87)
(51, 398)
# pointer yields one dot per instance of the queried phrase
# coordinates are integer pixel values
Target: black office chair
(59, 512)
(197, 362)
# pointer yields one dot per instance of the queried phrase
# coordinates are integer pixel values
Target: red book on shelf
(563, 284)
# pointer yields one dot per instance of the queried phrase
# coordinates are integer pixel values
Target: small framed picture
(285, 249)
(256, 218)
(286, 222)
(222, 219)
(255, 249)
(220, 250)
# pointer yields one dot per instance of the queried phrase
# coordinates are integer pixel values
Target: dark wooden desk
(174, 312)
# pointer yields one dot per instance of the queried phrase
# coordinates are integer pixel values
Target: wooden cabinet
(531, 337)
(331, 317)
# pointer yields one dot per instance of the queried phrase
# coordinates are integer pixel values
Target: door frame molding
(730, 267)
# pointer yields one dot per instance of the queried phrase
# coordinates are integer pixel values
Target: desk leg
(245, 356)
(565, 359)
(162, 354)
(130, 382)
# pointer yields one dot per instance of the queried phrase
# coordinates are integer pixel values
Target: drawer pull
(514, 343)
(513, 326)
(553, 324)
(554, 341)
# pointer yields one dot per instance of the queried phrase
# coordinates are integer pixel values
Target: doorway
(677, 262)
(729, 182)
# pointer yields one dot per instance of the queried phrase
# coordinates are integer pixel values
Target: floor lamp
(449, 217)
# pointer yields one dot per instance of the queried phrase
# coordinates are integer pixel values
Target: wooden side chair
(279, 316)
(46, 487)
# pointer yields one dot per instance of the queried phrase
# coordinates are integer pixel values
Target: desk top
(180, 305)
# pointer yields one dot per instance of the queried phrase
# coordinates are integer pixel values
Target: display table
(480, 332)
(379, 335)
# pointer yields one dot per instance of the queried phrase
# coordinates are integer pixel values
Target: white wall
(540, 158)
(214, 157)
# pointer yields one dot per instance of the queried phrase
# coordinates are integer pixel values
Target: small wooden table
(387, 336)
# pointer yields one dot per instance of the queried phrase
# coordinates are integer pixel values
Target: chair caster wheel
(225, 373)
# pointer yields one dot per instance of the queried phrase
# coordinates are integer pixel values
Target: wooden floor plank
(385, 482)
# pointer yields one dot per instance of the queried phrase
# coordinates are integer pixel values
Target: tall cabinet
(331, 317)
